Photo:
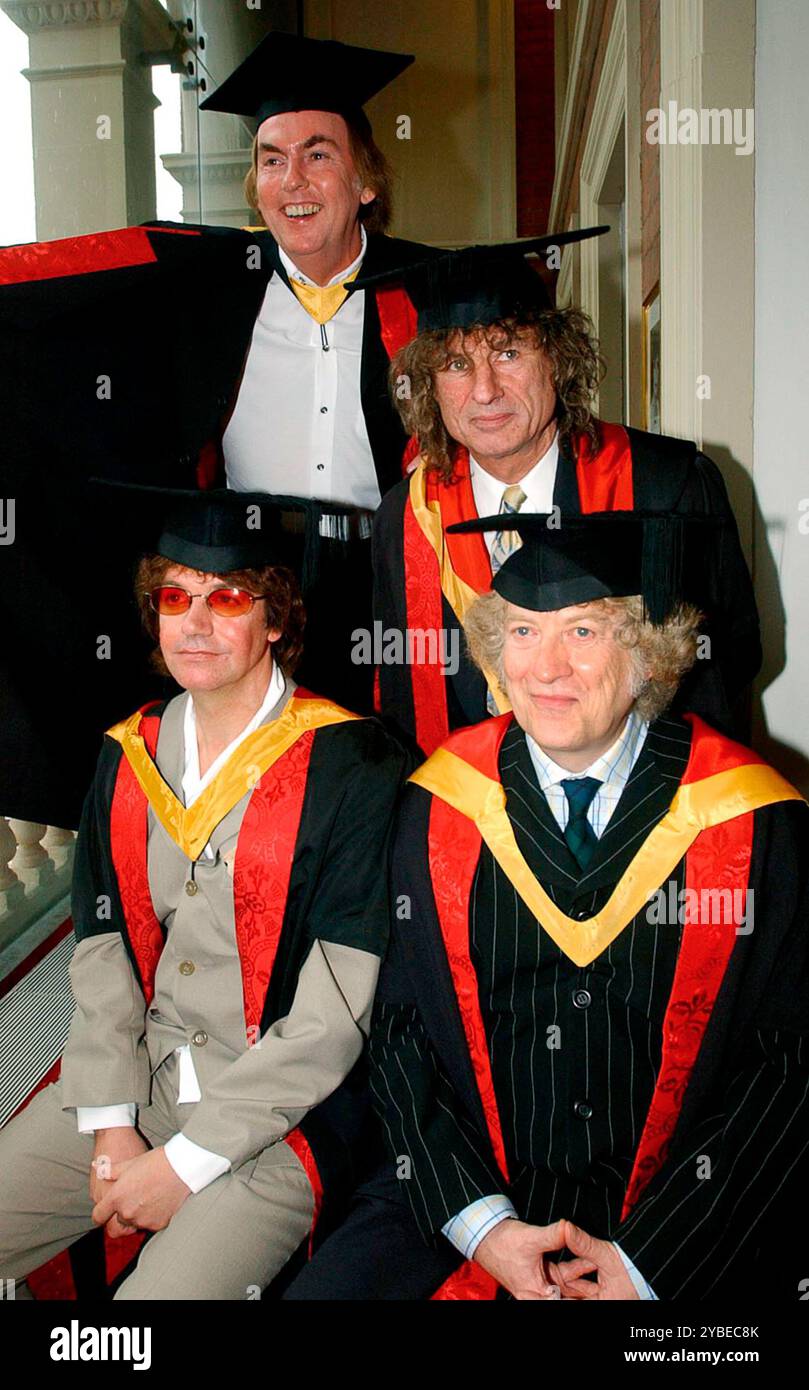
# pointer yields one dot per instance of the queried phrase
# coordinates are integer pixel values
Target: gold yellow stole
(191, 828)
(459, 595)
(322, 301)
(696, 807)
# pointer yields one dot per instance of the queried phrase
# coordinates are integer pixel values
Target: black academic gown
(127, 373)
(336, 892)
(746, 1107)
(668, 475)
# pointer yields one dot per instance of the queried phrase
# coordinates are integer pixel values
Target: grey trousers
(225, 1242)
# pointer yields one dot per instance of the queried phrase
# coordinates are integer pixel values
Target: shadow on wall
(790, 761)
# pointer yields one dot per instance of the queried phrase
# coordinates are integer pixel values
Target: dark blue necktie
(579, 833)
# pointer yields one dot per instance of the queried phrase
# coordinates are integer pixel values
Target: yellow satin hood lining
(191, 828)
(456, 591)
(322, 301)
(695, 807)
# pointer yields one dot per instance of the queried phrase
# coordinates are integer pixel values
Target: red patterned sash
(397, 318)
(605, 479)
(423, 599)
(128, 837)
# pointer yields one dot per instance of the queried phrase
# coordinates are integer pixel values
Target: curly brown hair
(667, 651)
(565, 337)
(276, 584)
(373, 171)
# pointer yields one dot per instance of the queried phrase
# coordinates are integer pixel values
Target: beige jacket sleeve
(105, 1061)
(298, 1062)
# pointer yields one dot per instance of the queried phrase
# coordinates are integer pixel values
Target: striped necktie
(579, 833)
(506, 542)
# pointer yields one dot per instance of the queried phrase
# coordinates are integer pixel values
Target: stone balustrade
(36, 863)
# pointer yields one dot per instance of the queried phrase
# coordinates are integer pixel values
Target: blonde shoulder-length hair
(661, 656)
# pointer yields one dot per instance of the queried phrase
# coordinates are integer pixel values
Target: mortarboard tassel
(661, 566)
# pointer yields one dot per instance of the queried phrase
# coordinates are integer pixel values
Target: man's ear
(367, 195)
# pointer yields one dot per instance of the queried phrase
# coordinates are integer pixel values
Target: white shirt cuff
(642, 1289)
(195, 1166)
(92, 1117)
(466, 1230)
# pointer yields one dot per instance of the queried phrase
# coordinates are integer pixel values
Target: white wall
(781, 416)
(455, 176)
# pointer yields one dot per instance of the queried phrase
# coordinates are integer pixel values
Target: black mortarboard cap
(563, 562)
(219, 530)
(287, 73)
(476, 284)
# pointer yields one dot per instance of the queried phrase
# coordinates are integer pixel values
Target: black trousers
(377, 1253)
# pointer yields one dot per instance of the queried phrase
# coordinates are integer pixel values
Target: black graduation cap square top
(567, 561)
(215, 531)
(287, 73)
(476, 284)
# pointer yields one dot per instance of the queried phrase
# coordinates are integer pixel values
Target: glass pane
(17, 219)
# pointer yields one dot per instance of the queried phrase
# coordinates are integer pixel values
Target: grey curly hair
(668, 651)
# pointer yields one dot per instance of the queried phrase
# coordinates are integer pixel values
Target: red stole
(397, 318)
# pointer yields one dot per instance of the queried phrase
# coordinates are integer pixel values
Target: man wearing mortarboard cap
(230, 914)
(498, 388)
(589, 1046)
(314, 376)
(224, 351)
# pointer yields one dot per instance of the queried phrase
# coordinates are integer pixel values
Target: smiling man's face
(570, 682)
(309, 192)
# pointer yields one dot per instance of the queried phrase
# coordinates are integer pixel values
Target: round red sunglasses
(170, 599)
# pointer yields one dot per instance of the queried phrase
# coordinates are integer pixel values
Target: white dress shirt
(196, 1166)
(298, 428)
(612, 770)
(538, 485)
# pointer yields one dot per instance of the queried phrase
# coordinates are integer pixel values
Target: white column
(223, 175)
(632, 230)
(91, 106)
(681, 224)
(602, 258)
(707, 57)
